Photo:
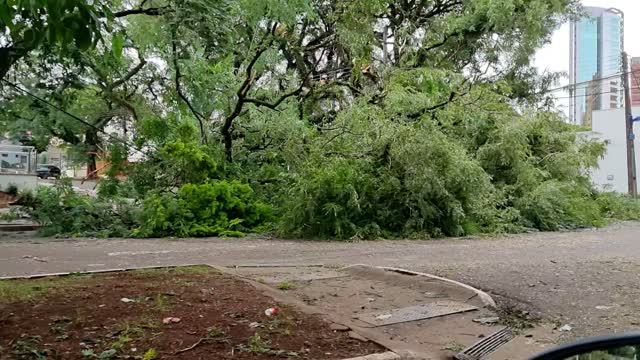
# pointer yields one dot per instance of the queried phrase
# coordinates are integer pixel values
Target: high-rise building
(596, 54)
(635, 81)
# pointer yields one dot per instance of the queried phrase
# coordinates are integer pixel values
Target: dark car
(48, 171)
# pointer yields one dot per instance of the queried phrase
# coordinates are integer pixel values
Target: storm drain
(486, 346)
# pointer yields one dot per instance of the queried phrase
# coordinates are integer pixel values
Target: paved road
(588, 279)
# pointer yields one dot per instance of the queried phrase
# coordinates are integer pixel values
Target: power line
(75, 117)
(586, 95)
(569, 86)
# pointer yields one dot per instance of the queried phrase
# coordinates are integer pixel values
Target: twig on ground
(196, 344)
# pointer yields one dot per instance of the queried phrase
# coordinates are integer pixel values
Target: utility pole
(628, 117)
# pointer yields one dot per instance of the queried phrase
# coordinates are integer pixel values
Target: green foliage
(151, 354)
(104, 355)
(28, 25)
(420, 190)
(61, 211)
(215, 208)
(180, 159)
(618, 207)
(286, 286)
(30, 347)
(556, 206)
(12, 190)
(452, 172)
(298, 106)
(256, 345)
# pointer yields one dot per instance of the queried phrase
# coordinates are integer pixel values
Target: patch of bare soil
(6, 199)
(127, 316)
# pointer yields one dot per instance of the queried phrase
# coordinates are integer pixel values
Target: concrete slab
(278, 274)
(414, 313)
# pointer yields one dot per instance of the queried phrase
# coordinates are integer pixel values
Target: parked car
(48, 171)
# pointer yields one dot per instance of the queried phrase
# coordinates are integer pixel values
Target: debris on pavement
(338, 327)
(254, 325)
(170, 320)
(565, 328)
(273, 311)
(35, 258)
(487, 320)
(127, 300)
(604, 307)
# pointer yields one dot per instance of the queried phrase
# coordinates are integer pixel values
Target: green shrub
(618, 207)
(217, 208)
(12, 190)
(556, 206)
(425, 185)
(61, 211)
(180, 159)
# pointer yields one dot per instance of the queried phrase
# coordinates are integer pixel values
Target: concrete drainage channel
(414, 315)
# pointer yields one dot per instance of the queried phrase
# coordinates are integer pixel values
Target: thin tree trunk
(91, 140)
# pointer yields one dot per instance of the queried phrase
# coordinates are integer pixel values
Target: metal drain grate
(486, 346)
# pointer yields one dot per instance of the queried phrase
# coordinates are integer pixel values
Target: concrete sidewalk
(415, 315)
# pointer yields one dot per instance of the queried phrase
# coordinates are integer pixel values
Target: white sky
(555, 56)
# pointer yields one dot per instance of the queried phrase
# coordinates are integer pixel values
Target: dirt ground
(121, 316)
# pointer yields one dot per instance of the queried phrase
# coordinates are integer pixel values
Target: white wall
(22, 181)
(612, 172)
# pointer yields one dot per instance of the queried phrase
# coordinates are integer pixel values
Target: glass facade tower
(595, 53)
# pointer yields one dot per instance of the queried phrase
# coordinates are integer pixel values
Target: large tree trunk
(228, 143)
(8, 57)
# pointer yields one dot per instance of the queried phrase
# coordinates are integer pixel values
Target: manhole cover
(413, 313)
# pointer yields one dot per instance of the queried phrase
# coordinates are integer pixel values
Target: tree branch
(275, 104)
(198, 115)
(128, 76)
(417, 114)
(139, 11)
(241, 94)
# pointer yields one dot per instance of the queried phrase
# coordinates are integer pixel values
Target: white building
(609, 125)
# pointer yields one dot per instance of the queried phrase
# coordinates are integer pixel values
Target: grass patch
(215, 333)
(181, 270)
(162, 303)
(135, 329)
(454, 346)
(286, 286)
(151, 354)
(30, 289)
(30, 347)
(256, 345)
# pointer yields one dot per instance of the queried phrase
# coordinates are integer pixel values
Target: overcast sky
(555, 56)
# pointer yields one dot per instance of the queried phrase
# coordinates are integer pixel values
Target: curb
(68, 273)
(18, 227)
(487, 300)
(381, 356)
